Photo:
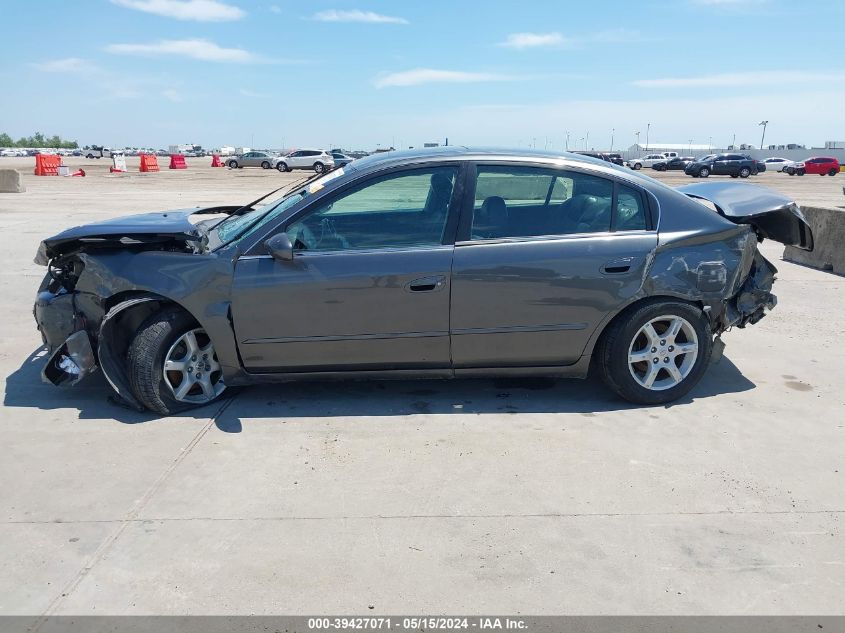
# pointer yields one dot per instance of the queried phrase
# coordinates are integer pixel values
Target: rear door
(543, 256)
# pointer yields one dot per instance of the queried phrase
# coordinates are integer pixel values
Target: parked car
(554, 265)
(615, 158)
(647, 161)
(317, 159)
(778, 164)
(734, 165)
(340, 159)
(672, 164)
(600, 155)
(265, 160)
(821, 165)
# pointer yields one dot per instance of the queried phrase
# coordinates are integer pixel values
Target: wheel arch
(636, 303)
(125, 311)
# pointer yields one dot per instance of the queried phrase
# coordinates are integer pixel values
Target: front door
(369, 285)
(548, 254)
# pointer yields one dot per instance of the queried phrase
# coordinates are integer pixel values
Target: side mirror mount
(280, 248)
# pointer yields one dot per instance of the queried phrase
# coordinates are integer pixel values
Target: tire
(319, 168)
(282, 167)
(233, 164)
(637, 166)
(832, 172)
(704, 172)
(265, 165)
(744, 172)
(163, 337)
(790, 171)
(801, 172)
(734, 176)
(624, 337)
(89, 156)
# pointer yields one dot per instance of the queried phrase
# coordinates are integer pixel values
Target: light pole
(647, 130)
(637, 134)
(763, 138)
(586, 140)
(709, 144)
(567, 141)
(689, 148)
(612, 132)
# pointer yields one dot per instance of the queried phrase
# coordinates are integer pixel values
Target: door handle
(618, 266)
(426, 284)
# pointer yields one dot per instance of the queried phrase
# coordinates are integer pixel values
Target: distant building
(431, 144)
(834, 144)
(681, 148)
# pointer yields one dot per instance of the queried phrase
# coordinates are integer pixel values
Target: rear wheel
(172, 364)
(655, 353)
(832, 172)
(704, 172)
(745, 172)
(801, 171)
(319, 168)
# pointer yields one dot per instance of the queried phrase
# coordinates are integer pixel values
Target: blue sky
(363, 73)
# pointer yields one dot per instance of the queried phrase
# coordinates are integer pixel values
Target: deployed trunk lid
(772, 215)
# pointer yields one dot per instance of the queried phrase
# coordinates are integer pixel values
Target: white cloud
(197, 10)
(761, 78)
(275, 8)
(520, 41)
(335, 15)
(73, 65)
(421, 76)
(195, 49)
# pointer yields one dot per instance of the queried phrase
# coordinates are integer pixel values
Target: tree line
(37, 140)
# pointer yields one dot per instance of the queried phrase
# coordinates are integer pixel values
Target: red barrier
(177, 161)
(215, 161)
(149, 162)
(47, 165)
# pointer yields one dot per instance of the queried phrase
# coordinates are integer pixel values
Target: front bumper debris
(71, 361)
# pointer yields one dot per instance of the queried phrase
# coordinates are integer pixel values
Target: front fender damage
(108, 346)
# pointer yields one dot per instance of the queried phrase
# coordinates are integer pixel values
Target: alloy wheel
(663, 352)
(191, 369)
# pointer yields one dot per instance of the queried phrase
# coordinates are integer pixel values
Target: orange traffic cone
(215, 160)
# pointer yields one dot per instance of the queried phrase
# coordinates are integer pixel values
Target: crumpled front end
(67, 320)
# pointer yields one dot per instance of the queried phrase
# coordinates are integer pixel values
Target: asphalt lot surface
(505, 496)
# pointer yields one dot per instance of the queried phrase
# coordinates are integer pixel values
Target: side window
(399, 210)
(630, 210)
(527, 202)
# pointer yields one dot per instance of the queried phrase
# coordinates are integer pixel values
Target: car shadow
(93, 398)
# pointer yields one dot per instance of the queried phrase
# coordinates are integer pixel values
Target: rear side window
(630, 210)
(527, 202)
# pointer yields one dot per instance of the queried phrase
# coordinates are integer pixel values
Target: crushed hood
(773, 215)
(146, 228)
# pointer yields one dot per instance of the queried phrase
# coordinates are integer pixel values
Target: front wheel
(233, 164)
(832, 172)
(282, 167)
(704, 172)
(637, 166)
(172, 364)
(655, 353)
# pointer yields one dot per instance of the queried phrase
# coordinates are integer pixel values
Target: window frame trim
(309, 205)
(463, 236)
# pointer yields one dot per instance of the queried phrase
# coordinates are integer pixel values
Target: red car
(821, 165)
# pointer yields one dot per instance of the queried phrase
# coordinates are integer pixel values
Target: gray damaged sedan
(439, 263)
